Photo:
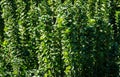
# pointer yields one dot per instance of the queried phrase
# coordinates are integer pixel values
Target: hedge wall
(59, 38)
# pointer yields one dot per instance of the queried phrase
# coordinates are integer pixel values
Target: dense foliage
(64, 38)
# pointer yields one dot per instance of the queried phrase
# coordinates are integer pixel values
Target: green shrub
(64, 38)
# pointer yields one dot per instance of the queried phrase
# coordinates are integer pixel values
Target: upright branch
(1, 27)
(113, 66)
(112, 17)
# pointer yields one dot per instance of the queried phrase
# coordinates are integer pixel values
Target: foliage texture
(59, 38)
